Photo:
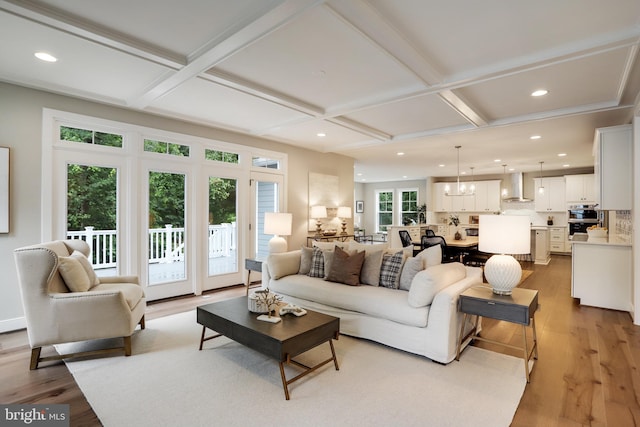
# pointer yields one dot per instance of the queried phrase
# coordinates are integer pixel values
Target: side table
(251, 265)
(519, 307)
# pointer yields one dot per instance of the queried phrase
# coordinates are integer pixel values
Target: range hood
(513, 184)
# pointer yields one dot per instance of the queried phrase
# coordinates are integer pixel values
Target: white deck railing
(166, 245)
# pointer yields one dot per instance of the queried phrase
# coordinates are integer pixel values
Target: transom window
(162, 147)
(221, 156)
(87, 136)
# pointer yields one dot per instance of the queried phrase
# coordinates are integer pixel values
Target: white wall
(21, 128)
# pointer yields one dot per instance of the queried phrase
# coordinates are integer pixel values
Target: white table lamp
(504, 235)
(278, 224)
(318, 212)
(344, 212)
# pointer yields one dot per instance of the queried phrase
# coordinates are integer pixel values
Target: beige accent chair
(107, 307)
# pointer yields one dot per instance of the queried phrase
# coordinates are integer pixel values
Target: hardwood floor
(586, 373)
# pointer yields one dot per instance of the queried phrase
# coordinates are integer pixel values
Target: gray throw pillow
(412, 266)
(305, 260)
(370, 273)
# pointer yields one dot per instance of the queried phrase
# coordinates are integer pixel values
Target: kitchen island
(601, 273)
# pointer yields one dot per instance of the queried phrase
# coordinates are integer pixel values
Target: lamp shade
(504, 234)
(277, 223)
(318, 212)
(344, 212)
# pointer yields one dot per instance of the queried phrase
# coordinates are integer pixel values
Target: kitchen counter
(608, 241)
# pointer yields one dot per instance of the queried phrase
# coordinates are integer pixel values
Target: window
(384, 214)
(408, 206)
(153, 146)
(221, 156)
(86, 136)
(263, 162)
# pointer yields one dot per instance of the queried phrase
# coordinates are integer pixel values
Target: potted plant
(455, 221)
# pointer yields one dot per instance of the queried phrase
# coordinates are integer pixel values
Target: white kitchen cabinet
(557, 238)
(487, 196)
(463, 203)
(601, 275)
(613, 167)
(441, 203)
(542, 255)
(553, 198)
(580, 188)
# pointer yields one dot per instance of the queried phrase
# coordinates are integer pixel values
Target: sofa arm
(444, 315)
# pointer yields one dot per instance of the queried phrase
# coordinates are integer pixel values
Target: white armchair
(95, 309)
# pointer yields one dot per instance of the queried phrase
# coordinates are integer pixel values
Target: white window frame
(377, 210)
(399, 210)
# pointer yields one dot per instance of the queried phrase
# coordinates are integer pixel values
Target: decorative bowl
(597, 233)
(329, 233)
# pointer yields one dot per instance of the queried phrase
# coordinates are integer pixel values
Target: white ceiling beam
(252, 29)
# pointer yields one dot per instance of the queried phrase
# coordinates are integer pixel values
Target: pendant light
(505, 190)
(541, 188)
(461, 187)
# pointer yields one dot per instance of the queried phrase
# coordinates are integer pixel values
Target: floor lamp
(504, 235)
(278, 224)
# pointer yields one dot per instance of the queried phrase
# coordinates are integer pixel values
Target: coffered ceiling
(376, 77)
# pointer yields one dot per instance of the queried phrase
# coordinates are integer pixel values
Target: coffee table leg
(285, 386)
(333, 353)
(203, 339)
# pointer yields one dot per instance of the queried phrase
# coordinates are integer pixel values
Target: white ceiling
(378, 77)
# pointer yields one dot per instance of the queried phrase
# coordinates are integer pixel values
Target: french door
(267, 195)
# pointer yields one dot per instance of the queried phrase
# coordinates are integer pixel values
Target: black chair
(429, 233)
(405, 238)
(447, 255)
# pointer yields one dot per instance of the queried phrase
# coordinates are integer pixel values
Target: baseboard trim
(9, 325)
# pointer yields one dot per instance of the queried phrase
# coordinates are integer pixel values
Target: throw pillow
(317, 263)
(411, 267)
(427, 283)
(390, 270)
(431, 256)
(370, 273)
(283, 264)
(346, 268)
(73, 274)
(328, 260)
(88, 268)
(305, 260)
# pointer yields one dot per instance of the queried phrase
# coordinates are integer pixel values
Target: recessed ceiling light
(44, 56)
(359, 174)
(497, 160)
(535, 137)
(321, 134)
(539, 92)
(562, 154)
(463, 173)
(400, 153)
(404, 176)
(566, 165)
(440, 165)
(512, 169)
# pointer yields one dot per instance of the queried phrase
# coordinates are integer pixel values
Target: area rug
(168, 382)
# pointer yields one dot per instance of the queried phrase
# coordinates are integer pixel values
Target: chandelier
(461, 187)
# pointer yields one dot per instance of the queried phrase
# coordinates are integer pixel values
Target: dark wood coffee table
(281, 341)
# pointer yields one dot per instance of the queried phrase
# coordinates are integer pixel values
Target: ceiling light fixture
(535, 137)
(539, 92)
(541, 188)
(321, 134)
(461, 187)
(44, 56)
(400, 153)
(562, 154)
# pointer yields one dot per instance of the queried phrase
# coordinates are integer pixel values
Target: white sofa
(423, 320)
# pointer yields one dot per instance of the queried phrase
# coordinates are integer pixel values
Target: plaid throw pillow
(390, 270)
(317, 264)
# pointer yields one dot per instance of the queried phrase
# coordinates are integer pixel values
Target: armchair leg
(35, 358)
(141, 322)
(127, 345)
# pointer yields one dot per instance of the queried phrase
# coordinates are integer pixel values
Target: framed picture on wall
(359, 206)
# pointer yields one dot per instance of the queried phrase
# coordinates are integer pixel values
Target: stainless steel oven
(580, 218)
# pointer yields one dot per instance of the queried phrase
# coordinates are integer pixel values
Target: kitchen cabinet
(542, 253)
(487, 196)
(553, 198)
(463, 203)
(613, 167)
(601, 275)
(557, 239)
(580, 189)
(441, 203)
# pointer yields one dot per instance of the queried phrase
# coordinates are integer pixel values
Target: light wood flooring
(586, 374)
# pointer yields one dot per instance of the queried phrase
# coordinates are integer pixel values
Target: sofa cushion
(73, 274)
(305, 259)
(390, 269)
(411, 267)
(317, 263)
(427, 283)
(431, 256)
(283, 264)
(370, 273)
(375, 301)
(88, 268)
(345, 268)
